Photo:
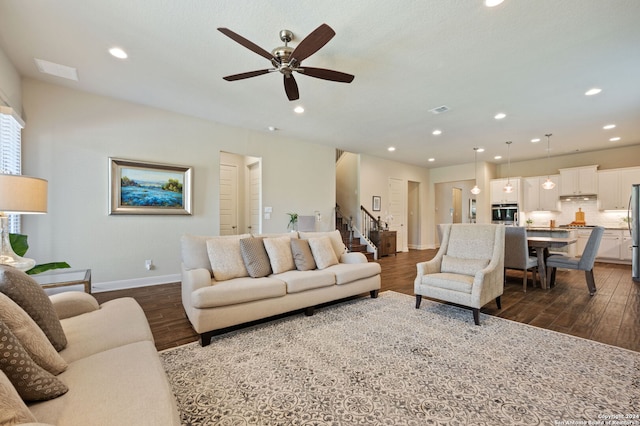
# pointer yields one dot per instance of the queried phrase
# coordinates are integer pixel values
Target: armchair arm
(73, 303)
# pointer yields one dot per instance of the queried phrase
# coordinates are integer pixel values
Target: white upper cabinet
(579, 181)
(537, 198)
(498, 196)
(614, 187)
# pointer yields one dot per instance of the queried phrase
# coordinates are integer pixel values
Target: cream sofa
(114, 374)
(213, 305)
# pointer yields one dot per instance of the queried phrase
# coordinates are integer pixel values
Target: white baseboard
(420, 247)
(134, 283)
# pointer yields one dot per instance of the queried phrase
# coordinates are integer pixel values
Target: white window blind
(10, 152)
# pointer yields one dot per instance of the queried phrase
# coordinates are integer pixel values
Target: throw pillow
(30, 296)
(12, 408)
(31, 336)
(280, 256)
(226, 260)
(255, 257)
(458, 265)
(323, 252)
(302, 256)
(32, 382)
(336, 240)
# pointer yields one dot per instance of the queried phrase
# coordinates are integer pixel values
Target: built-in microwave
(504, 213)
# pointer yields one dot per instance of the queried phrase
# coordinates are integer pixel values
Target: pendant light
(508, 188)
(475, 190)
(548, 184)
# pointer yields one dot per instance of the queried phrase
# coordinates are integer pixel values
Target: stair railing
(369, 223)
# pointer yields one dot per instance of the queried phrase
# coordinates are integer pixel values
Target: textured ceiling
(532, 60)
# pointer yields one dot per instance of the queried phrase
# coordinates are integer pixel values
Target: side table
(64, 278)
(385, 241)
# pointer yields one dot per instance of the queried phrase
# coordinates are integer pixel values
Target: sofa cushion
(449, 281)
(226, 259)
(302, 256)
(457, 265)
(31, 336)
(255, 257)
(336, 240)
(117, 323)
(280, 256)
(30, 296)
(12, 408)
(122, 386)
(346, 273)
(298, 281)
(238, 290)
(32, 382)
(323, 252)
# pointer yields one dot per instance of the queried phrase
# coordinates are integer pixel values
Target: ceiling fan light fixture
(298, 109)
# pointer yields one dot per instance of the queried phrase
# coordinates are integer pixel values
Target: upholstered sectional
(231, 280)
(66, 360)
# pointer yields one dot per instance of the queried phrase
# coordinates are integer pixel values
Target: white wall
(68, 139)
(374, 180)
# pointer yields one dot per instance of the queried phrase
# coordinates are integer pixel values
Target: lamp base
(7, 255)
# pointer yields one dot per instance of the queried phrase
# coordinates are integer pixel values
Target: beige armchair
(468, 269)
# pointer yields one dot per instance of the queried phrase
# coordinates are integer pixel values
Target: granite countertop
(558, 229)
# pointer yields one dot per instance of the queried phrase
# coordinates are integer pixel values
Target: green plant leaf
(47, 267)
(19, 244)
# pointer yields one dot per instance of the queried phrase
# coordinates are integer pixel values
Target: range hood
(581, 197)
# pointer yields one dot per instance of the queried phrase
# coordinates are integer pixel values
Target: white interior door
(255, 177)
(396, 211)
(228, 199)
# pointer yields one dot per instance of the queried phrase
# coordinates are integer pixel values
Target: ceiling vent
(56, 69)
(439, 110)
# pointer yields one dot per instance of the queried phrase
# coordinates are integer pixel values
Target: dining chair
(585, 263)
(516, 254)
(467, 270)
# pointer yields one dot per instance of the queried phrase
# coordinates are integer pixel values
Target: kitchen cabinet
(498, 196)
(579, 181)
(609, 245)
(614, 187)
(583, 236)
(626, 248)
(536, 198)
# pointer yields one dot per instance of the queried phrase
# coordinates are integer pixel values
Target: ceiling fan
(286, 59)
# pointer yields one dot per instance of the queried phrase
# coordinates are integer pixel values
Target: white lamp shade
(22, 194)
(548, 184)
(475, 190)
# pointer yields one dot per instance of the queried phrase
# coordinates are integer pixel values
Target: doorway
(413, 222)
(240, 194)
(456, 196)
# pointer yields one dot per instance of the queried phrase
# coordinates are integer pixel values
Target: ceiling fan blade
(246, 43)
(291, 87)
(247, 75)
(312, 43)
(325, 74)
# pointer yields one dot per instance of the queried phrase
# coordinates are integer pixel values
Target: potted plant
(293, 221)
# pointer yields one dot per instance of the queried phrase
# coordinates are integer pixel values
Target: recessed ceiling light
(391, 148)
(492, 3)
(609, 126)
(593, 91)
(535, 140)
(272, 128)
(118, 53)
(431, 159)
(480, 150)
(500, 116)
(436, 132)
(298, 109)
(616, 139)
(497, 157)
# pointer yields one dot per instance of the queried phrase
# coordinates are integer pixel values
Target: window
(11, 126)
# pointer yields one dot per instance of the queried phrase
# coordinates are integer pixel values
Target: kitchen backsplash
(592, 216)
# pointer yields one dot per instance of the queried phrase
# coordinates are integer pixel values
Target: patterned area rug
(382, 362)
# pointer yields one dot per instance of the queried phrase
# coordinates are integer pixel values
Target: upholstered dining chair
(585, 263)
(516, 254)
(467, 270)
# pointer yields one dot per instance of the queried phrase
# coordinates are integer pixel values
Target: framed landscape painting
(148, 188)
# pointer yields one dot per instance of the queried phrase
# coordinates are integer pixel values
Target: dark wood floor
(612, 316)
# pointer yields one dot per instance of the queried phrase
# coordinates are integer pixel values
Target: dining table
(542, 246)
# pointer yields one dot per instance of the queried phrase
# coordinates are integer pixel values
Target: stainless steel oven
(504, 213)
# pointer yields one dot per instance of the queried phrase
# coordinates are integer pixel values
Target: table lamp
(19, 195)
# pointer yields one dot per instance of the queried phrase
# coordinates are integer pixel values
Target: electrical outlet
(148, 264)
